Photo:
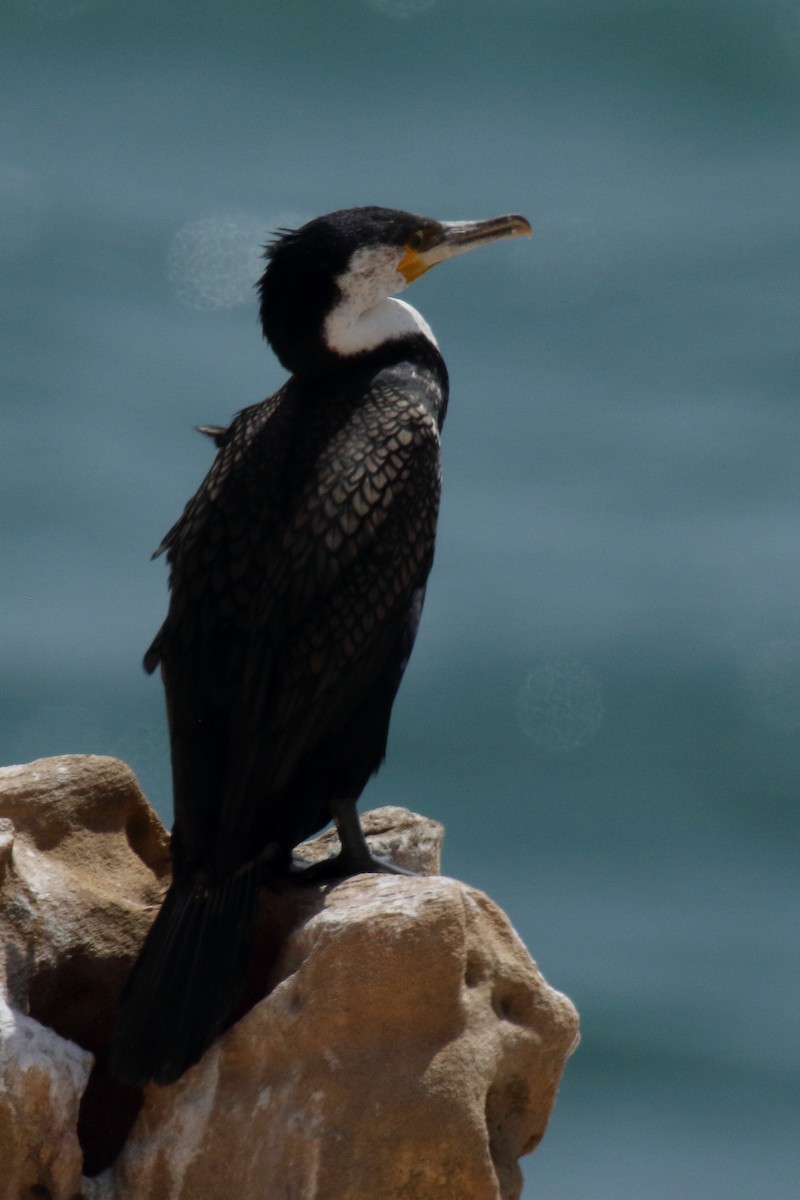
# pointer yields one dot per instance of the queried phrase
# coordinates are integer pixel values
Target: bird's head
(325, 292)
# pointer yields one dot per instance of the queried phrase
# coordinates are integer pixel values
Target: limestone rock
(42, 1078)
(85, 864)
(401, 1043)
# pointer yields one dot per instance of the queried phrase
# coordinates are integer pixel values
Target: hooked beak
(446, 239)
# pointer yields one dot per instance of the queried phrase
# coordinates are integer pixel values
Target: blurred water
(605, 698)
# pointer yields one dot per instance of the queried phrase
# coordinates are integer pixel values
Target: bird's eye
(416, 240)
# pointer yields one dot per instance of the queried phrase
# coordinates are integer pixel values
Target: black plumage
(298, 573)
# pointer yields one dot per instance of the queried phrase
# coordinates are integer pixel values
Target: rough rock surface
(401, 1043)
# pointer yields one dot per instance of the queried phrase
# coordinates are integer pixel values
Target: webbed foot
(355, 856)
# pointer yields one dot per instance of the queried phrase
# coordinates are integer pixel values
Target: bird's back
(296, 570)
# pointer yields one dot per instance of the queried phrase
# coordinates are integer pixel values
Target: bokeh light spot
(560, 706)
(214, 262)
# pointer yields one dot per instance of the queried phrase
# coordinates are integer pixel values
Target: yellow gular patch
(412, 265)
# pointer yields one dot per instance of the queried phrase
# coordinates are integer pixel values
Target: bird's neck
(350, 329)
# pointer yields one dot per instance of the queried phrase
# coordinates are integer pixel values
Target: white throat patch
(365, 316)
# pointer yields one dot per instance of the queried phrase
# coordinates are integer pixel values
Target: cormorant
(298, 573)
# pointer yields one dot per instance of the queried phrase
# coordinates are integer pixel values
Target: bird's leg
(355, 856)
(355, 853)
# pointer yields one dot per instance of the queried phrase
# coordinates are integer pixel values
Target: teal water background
(604, 701)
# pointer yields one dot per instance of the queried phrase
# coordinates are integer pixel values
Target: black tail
(187, 979)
